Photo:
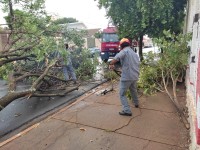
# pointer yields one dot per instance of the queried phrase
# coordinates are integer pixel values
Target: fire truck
(109, 43)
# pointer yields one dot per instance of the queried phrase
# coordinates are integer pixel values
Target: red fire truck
(109, 43)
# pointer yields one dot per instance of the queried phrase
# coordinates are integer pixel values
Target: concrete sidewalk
(93, 123)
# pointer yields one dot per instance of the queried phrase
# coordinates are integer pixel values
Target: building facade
(192, 25)
(4, 44)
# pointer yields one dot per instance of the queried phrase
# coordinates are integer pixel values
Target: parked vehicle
(109, 43)
(152, 49)
(94, 51)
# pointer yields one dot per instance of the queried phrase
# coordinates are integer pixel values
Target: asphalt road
(22, 111)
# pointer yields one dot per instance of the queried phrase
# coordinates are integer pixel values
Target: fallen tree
(29, 55)
(45, 85)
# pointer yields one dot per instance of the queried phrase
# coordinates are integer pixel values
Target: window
(110, 37)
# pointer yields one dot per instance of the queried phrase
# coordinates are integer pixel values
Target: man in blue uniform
(68, 69)
(130, 73)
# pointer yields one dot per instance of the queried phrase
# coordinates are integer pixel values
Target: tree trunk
(11, 96)
(11, 14)
(140, 47)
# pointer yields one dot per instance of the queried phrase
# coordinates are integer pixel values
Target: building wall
(77, 26)
(193, 73)
(89, 42)
(3, 41)
(92, 42)
(90, 39)
(98, 43)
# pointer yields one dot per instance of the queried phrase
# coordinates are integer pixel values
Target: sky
(85, 11)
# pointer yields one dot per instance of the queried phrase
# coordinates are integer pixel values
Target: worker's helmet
(123, 40)
(124, 43)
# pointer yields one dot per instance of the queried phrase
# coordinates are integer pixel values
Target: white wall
(193, 72)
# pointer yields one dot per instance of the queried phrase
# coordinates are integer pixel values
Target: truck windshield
(110, 37)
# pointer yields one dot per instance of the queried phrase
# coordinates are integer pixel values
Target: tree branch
(2, 62)
(34, 85)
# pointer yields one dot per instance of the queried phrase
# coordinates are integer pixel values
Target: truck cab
(109, 43)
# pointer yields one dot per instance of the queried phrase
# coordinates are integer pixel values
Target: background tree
(135, 18)
(65, 20)
(98, 35)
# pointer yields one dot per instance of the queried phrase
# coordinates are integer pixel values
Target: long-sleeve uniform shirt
(130, 64)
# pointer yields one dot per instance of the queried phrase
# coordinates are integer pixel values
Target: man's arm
(117, 58)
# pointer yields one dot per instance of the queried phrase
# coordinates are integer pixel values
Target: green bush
(84, 65)
(158, 70)
(4, 71)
